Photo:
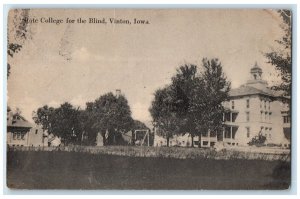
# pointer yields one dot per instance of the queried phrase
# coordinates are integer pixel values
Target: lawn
(81, 170)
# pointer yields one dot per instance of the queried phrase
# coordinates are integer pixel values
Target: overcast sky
(79, 62)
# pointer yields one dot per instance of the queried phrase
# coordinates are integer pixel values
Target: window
(232, 104)
(23, 136)
(247, 116)
(261, 130)
(227, 132)
(36, 131)
(227, 117)
(265, 104)
(248, 103)
(261, 116)
(14, 135)
(286, 119)
(261, 103)
(19, 135)
(248, 131)
(270, 114)
(269, 104)
(266, 113)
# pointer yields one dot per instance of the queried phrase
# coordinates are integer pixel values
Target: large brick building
(254, 109)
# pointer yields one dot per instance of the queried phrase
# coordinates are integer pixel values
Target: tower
(256, 80)
(256, 72)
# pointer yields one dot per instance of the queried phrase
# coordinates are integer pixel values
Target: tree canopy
(19, 32)
(111, 114)
(281, 58)
(62, 122)
(108, 115)
(193, 101)
(163, 113)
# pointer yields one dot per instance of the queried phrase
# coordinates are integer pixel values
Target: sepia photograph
(149, 99)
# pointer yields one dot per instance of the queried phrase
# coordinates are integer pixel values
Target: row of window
(266, 104)
(18, 136)
(286, 119)
(229, 117)
(265, 116)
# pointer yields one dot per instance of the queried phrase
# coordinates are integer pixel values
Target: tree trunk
(104, 139)
(192, 139)
(82, 134)
(132, 138)
(199, 142)
(168, 139)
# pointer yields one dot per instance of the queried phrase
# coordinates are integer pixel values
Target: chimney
(118, 93)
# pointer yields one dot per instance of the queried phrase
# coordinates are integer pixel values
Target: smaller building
(20, 132)
(184, 140)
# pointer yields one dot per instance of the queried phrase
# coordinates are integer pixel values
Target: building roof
(245, 90)
(19, 122)
(249, 90)
(256, 87)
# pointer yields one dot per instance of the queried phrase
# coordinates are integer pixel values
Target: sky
(78, 63)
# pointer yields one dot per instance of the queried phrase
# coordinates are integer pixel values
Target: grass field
(78, 170)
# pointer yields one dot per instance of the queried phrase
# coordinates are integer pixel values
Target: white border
(159, 3)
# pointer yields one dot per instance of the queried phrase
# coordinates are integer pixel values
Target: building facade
(253, 110)
(22, 133)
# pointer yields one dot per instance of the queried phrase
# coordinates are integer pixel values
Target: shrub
(258, 140)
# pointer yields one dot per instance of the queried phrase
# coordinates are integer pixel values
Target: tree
(18, 33)
(163, 113)
(183, 84)
(209, 93)
(44, 117)
(111, 117)
(138, 125)
(65, 124)
(86, 122)
(62, 122)
(281, 58)
(192, 102)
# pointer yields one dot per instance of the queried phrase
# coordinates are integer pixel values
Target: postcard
(149, 99)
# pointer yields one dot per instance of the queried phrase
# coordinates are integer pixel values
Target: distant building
(22, 133)
(177, 140)
(253, 109)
